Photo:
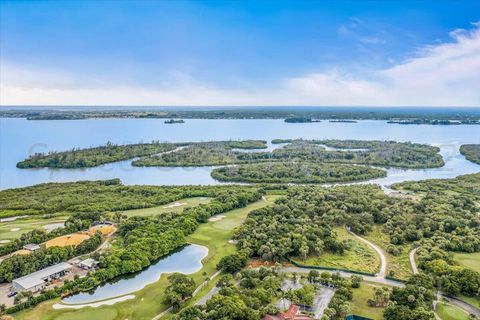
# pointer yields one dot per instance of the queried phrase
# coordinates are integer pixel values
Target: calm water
(187, 261)
(20, 137)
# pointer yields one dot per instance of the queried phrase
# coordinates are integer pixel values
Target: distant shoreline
(434, 116)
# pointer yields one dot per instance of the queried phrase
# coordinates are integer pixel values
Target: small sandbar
(176, 204)
(93, 304)
(216, 218)
(15, 229)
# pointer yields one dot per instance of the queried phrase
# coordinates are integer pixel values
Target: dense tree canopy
(95, 156)
(296, 172)
(471, 152)
(250, 300)
(92, 157)
(92, 196)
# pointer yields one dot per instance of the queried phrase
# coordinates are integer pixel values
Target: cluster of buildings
(39, 280)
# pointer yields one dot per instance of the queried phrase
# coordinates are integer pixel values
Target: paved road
(463, 305)
(322, 299)
(413, 264)
(206, 297)
(381, 254)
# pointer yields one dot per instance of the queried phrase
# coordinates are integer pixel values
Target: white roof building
(88, 263)
(38, 280)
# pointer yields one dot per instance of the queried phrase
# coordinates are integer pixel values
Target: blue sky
(240, 52)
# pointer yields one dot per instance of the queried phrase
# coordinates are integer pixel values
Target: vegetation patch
(379, 153)
(468, 260)
(26, 225)
(361, 296)
(447, 311)
(296, 172)
(398, 262)
(471, 152)
(92, 157)
(205, 154)
(169, 207)
(357, 256)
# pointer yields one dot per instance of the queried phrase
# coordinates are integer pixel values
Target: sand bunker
(94, 304)
(4, 241)
(15, 229)
(53, 226)
(103, 228)
(176, 204)
(216, 218)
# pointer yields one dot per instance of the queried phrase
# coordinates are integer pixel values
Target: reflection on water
(188, 260)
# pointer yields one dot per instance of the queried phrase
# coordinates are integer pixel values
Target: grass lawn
(359, 305)
(448, 311)
(468, 260)
(360, 256)
(148, 301)
(170, 207)
(14, 229)
(400, 265)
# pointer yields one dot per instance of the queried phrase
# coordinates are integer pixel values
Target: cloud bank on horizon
(180, 69)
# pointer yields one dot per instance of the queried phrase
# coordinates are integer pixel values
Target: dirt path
(413, 264)
(383, 258)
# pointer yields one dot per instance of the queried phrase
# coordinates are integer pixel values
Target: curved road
(381, 254)
(413, 264)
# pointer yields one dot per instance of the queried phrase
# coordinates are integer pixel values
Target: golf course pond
(187, 260)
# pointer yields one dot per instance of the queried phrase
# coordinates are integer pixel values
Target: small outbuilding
(88, 264)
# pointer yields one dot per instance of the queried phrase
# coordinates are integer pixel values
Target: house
(293, 313)
(88, 264)
(38, 280)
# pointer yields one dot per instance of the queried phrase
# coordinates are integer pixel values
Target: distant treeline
(411, 114)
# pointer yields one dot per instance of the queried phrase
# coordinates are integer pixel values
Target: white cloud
(372, 40)
(446, 74)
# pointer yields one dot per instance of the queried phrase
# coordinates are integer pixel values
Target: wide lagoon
(21, 137)
(188, 260)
